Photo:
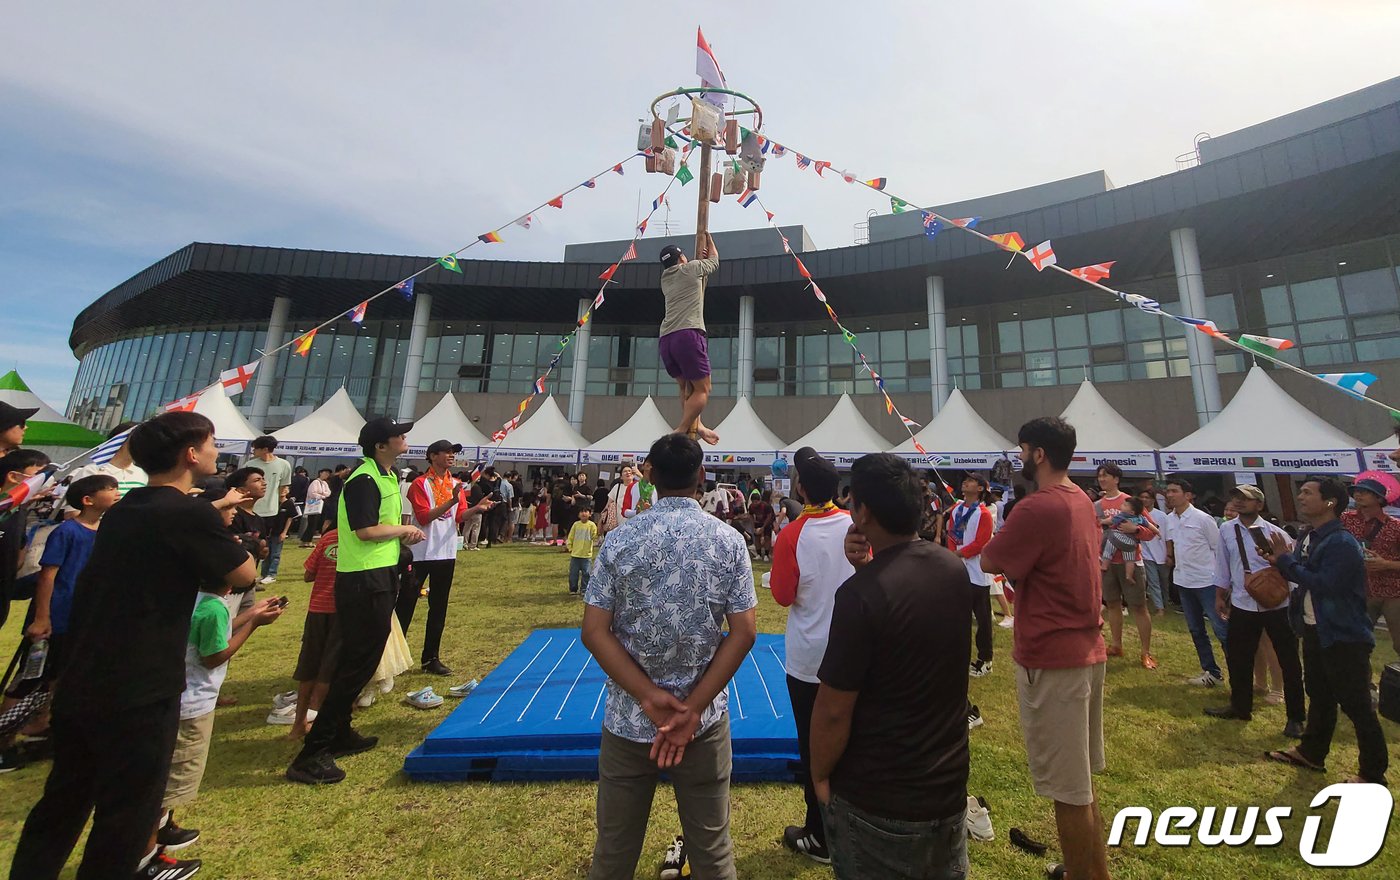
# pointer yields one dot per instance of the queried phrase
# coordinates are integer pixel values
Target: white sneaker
(979, 819)
(284, 699)
(269, 579)
(288, 715)
(1206, 679)
(366, 699)
(974, 718)
(1007, 622)
(979, 668)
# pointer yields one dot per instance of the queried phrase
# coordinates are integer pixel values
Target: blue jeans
(578, 571)
(274, 556)
(864, 845)
(1156, 577)
(1198, 604)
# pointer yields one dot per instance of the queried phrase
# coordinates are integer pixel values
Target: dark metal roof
(1335, 184)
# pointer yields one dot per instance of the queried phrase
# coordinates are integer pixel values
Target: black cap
(14, 415)
(380, 430)
(443, 446)
(671, 255)
(817, 475)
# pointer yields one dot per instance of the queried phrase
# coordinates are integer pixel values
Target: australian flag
(406, 288)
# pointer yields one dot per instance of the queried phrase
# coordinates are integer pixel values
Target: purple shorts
(686, 355)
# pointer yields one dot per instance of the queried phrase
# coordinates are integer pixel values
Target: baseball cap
(444, 446)
(671, 255)
(381, 429)
(1248, 492)
(13, 415)
(1380, 484)
(817, 475)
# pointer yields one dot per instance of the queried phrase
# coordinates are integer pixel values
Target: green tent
(47, 428)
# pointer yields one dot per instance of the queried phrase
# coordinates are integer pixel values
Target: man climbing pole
(684, 347)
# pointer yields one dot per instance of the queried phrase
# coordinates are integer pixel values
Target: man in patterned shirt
(663, 587)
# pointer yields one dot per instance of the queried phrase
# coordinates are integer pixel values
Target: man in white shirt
(715, 501)
(1192, 536)
(278, 473)
(317, 491)
(1236, 557)
(1154, 552)
(809, 564)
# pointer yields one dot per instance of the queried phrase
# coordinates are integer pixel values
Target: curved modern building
(1290, 228)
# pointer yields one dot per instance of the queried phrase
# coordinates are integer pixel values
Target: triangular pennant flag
(898, 206)
(184, 404)
(683, 175)
(237, 379)
(556, 202)
(770, 215)
(1041, 256)
(779, 151)
(631, 252)
(608, 272)
(889, 405)
(671, 142)
(908, 422)
(967, 222)
(486, 238)
(539, 385)
(848, 176)
(1094, 273)
(449, 262)
(801, 267)
(803, 161)
(405, 287)
(830, 313)
(618, 168)
(1206, 327)
(658, 201)
(821, 297)
(590, 183)
(931, 225)
(597, 304)
(357, 314)
(1266, 345)
(1143, 303)
(747, 197)
(1011, 241)
(525, 221)
(876, 183)
(819, 165)
(642, 227)
(303, 343)
(1356, 383)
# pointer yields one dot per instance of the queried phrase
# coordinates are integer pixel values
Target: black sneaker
(674, 862)
(163, 867)
(974, 717)
(9, 761)
(351, 743)
(173, 838)
(319, 769)
(436, 667)
(804, 842)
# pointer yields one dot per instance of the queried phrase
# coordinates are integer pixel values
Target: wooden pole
(702, 213)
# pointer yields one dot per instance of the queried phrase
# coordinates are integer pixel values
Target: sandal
(1294, 759)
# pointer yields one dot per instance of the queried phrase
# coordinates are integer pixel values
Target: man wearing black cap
(434, 498)
(684, 348)
(12, 425)
(371, 532)
(809, 564)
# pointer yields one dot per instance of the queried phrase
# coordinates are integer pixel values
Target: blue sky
(125, 135)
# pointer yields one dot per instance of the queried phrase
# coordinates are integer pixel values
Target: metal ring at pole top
(757, 111)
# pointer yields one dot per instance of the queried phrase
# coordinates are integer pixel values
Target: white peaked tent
(446, 421)
(231, 431)
(632, 438)
(1264, 429)
(743, 439)
(332, 429)
(958, 437)
(1104, 436)
(545, 437)
(843, 436)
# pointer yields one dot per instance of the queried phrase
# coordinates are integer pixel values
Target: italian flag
(1265, 345)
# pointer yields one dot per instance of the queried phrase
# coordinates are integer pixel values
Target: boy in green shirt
(582, 537)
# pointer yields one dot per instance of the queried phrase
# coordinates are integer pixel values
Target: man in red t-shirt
(1050, 548)
(1125, 579)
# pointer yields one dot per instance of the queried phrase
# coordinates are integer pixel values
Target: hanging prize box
(658, 134)
(736, 180)
(651, 162)
(731, 136)
(643, 138)
(753, 180)
(705, 121)
(666, 161)
(716, 186)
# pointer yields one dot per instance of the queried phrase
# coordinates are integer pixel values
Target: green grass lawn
(1161, 752)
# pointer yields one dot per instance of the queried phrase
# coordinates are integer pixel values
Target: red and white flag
(631, 252)
(1041, 255)
(707, 68)
(237, 379)
(1096, 272)
(184, 404)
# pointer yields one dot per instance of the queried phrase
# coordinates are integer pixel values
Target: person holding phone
(1244, 549)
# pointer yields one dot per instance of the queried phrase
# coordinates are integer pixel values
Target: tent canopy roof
(446, 421)
(843, 430)
(335, 421)
(1100, 427)
(957, 429)
(743, 431)
(1262, 416)
(641, 429)
(47, 427)
(229, 423)
(546, 429)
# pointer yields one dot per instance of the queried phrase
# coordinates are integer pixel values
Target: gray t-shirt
(278, 473)
(684, 289)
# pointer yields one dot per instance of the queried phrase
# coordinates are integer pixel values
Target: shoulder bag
(1267, 587)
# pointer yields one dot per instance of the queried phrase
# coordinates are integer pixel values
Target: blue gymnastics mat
(539, 716)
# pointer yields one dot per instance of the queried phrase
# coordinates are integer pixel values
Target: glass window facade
(1340, 305)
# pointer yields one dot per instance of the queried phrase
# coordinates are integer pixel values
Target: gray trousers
(627, 780)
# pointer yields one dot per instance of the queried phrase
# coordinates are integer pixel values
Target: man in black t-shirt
(117, 712)
(889, 727)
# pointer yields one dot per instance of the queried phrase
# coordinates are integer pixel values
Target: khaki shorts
(1125, 582)
(1062, 720)
(189, 760)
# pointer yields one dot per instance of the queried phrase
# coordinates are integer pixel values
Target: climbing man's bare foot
(708, 435)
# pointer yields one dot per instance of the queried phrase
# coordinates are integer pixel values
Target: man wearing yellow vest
(371, 532)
